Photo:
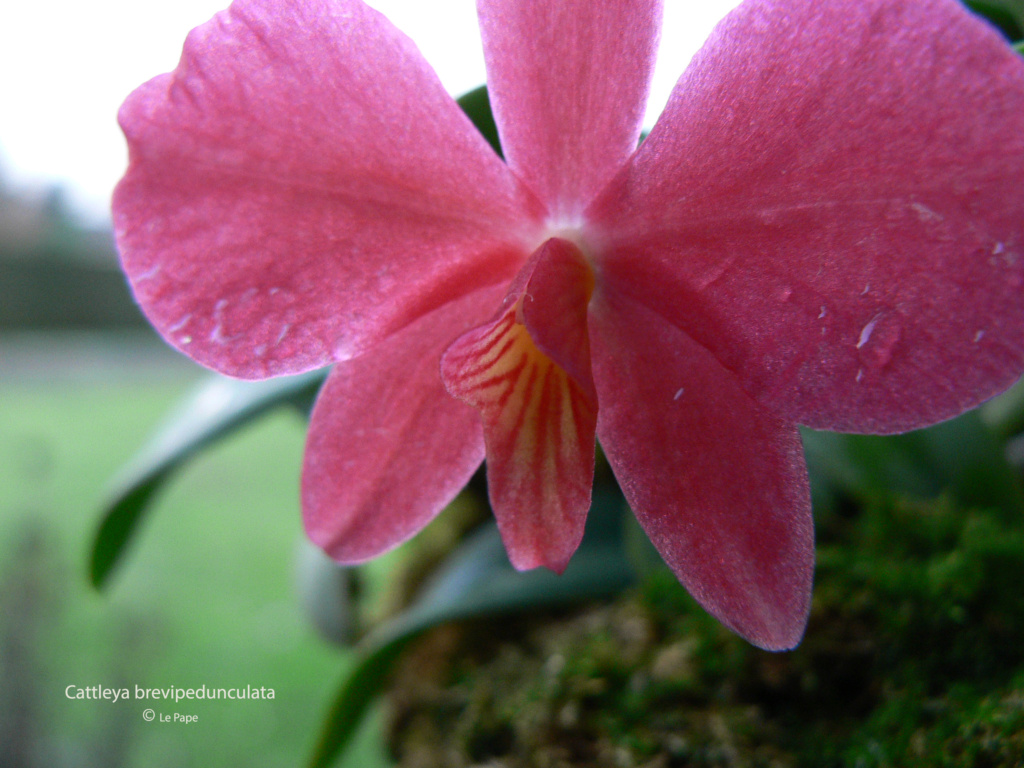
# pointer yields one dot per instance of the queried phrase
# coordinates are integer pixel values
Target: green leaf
(1008, 15)
(477, 106)
(962, 457)
(217, 408)
(477, 580)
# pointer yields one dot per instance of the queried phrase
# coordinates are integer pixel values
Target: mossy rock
(914, 656)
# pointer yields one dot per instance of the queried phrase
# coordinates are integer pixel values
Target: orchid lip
(528, 374)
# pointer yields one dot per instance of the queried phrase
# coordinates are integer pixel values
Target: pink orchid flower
(825, 228)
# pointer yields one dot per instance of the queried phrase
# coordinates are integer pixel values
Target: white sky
(66, 65)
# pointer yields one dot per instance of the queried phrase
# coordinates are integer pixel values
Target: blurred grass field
(206, 595)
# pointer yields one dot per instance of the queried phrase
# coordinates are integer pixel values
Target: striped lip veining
(528, 374)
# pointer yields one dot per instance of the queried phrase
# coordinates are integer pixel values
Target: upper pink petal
(832, 205)
(568, 81)
(388, 447)
(302, 185)
(717, 482)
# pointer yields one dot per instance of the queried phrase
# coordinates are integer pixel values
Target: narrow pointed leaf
(477, 106)
(1008, 15)
(217, 408)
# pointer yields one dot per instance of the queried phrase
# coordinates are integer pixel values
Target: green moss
(940, 587)
(913, 657)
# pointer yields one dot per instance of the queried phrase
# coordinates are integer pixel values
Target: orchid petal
(718, 483)
(388, 448)
(568, 81)
(301, 186)
(831, 205)
(528, 374)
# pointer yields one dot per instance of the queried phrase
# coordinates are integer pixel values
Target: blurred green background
(208, 594)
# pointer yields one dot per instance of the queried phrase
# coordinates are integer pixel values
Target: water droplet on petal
(180, 324)
(865, 333)
(878, 338)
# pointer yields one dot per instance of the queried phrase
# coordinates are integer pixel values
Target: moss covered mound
(914, 657)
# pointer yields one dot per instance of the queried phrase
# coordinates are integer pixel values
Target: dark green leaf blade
(215, 409)
(1007, 15)
(477, 106)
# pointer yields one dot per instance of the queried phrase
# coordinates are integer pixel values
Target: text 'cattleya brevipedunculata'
(825, 227)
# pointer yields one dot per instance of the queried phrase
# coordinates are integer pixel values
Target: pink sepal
(568, 81)
(388, 448)
(717, 482)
